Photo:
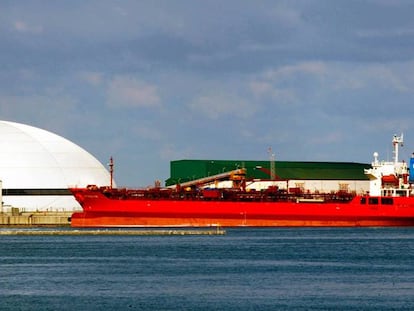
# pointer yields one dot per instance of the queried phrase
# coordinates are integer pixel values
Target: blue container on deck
(411, 180)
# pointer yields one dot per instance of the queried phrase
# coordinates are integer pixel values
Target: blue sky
(148, 82)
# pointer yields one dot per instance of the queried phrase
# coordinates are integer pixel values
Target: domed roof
(37, 159)
(32, 158)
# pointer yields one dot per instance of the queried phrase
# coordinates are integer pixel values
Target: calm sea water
(247, 269)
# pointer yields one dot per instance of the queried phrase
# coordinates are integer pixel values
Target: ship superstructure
(390, 178)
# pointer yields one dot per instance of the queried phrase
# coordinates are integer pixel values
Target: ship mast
(111, 171)
(395, 142)
(272, 164)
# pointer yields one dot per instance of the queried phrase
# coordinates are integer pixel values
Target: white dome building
(37, 167)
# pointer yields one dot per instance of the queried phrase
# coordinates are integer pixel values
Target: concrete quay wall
(37, 231)
(35, 219)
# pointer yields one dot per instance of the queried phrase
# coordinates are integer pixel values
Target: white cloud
(93, 78)
(287, 83)
(260, 89)
(215, 106)
(23, 27)
(384, 33)
(171, 151)
(396, 77)
(328, 138)
(148, 132)
(309, 68)
(306, 80)
(43, 110)
(288, 17)
(126, 91)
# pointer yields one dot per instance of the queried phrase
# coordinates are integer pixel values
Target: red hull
(100, 211)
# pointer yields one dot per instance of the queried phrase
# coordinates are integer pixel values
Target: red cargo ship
(390, 202)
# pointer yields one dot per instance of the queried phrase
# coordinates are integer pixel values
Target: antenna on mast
(272, 164)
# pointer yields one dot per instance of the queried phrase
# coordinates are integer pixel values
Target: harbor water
(245, 269)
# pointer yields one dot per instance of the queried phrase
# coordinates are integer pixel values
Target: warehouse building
(303, 176)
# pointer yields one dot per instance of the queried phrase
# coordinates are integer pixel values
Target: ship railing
(228, 194)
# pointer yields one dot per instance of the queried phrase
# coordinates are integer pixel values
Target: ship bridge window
(387, 201)
(364, 200)
(373, 201)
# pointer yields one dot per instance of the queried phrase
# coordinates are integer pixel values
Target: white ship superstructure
(389, 178)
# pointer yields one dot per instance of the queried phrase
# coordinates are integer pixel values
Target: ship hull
(99, 211)
(102, 220)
